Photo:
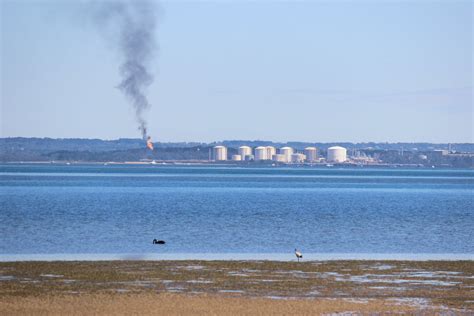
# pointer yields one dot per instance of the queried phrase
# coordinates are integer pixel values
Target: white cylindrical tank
(337, 154)
(311, 154)
(297, 158)
(220, 153)
(236, 157)
(245, 151)
(260, 153)
(279, 158)
(270, 152)
(287, 152)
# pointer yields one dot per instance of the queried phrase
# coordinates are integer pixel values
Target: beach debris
(51, 275)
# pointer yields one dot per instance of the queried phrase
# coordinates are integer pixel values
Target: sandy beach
(235, 287)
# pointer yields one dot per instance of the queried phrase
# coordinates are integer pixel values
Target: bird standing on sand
(298, 255)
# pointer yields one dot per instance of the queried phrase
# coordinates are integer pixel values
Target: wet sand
(236, 287)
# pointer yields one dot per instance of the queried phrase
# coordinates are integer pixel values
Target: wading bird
(298, 255)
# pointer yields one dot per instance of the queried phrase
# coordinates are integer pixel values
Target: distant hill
(17, 149)
(124, 149)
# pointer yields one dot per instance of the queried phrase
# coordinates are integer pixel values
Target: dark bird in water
(158, 242)
(298, 255)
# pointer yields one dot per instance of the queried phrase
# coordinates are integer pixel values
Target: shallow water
(117, 210)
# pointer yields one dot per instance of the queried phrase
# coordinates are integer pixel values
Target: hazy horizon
(307, 71)
(237, 140)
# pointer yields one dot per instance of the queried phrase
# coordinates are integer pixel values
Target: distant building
(298, 158)
(279, 158)
(261, 153)
(236, 157)
(245, 151)
(287, 152)
(311, 154)
(337, 154)
(249, 158)
(440, 152)
(220, 153)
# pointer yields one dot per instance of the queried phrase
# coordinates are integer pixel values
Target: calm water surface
(95, 209)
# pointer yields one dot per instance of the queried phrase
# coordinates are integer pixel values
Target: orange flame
(149, 144)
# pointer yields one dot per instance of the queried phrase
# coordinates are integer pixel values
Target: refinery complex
(332, 155)
(335, 154)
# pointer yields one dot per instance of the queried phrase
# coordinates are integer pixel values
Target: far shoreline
(241, 164)
(267, 257)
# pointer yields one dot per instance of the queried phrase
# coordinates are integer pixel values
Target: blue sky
(281, 71)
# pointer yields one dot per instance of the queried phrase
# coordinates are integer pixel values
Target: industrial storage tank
(271, 151)
(311, 154)
(287, 152)
(220, 153)
(245, 151)
(337, 154)
(261, 153)
(236, 157)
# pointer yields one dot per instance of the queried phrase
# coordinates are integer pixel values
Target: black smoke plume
(131, 25)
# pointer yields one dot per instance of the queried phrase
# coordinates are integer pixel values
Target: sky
(360, 71)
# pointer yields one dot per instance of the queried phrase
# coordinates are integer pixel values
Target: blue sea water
(120, 209)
